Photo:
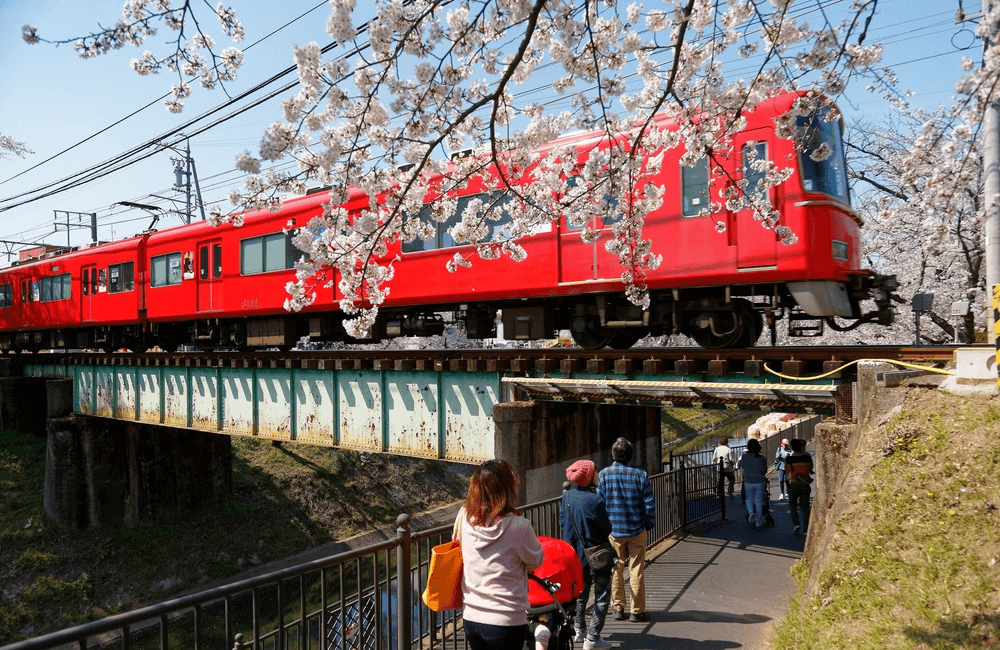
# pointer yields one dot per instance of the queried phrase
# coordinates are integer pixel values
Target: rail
(356, 600)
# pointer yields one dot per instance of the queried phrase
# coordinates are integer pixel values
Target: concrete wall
(108, 472)
(541, 439)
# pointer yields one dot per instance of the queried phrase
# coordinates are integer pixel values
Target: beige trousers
(631, 551)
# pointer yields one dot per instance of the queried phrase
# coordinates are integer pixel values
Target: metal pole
(187, 184)
(991, 179)
(404, 605)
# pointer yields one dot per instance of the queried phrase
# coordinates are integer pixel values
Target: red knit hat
(581, 472)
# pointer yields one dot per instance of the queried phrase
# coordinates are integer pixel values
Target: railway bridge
(140, 426)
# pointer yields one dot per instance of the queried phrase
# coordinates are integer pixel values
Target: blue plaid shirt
(628, 494)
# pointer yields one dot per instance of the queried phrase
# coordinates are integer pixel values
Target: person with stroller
(754, 467)
(784, 451)
(499, 548)
(585, 523)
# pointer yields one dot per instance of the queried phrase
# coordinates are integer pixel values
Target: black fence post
(404, 607)
(721, 490)
(684, 497)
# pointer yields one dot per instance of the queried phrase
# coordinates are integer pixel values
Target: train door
(756, 246)
(580, 261)
(88, 289)
(209, 275)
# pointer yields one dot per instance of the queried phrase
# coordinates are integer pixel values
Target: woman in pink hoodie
(499, 548)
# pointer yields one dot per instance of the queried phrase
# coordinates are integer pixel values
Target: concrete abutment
(541, 439)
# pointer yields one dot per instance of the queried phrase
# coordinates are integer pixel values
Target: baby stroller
(552, 592)
(765, 510)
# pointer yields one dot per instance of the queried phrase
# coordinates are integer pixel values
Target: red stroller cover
(561, 565)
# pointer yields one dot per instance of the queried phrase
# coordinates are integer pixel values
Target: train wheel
(590, 336)
(753, 324)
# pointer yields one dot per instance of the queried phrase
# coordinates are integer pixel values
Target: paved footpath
(722, 586)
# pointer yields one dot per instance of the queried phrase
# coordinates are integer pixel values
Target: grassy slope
(285, 500)
(914, 560)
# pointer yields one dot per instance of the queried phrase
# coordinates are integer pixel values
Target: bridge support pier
(541, 439)
(109, 472)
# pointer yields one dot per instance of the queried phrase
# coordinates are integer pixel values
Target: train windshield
(821, 158)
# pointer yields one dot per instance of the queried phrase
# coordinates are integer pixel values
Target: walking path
(722, 586)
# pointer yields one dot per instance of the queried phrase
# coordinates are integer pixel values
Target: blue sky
(51, 99)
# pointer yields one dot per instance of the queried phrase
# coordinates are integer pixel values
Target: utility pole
(184, 171)
(990, 133)
(991, 178)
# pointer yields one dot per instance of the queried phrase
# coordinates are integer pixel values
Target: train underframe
(714, 317)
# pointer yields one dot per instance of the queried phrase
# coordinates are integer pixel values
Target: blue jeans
(481, 636)
(782, 482)
(755, 499)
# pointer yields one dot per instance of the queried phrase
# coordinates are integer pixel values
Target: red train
(225, 286)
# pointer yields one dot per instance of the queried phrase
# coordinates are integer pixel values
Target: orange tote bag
(444, 577)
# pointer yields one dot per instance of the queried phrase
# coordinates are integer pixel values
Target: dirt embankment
(904, 542)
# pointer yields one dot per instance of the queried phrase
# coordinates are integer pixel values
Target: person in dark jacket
(585, 523)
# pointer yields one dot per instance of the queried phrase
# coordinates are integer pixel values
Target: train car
(92, 297)
(224, 286)
(719, 288)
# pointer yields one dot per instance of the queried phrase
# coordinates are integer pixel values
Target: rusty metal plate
(315, 407)
(237, 402)
(274, 404)
(359, 395)
(104, 381)
(204, 391)
(175, 397)
(125, 393)
(412, 406)
(469, 398)
(149, 395)
(83, 390)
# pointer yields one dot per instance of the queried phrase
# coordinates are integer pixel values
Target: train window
(86, 282)
(274, 252)
(497, 218)
(203, 263)
(93, 282)
(57, 287)
(121, 277)
(695, 187)
(217, 261)
(165, 270)
(753, 152)
(821, 155)
(6, 295)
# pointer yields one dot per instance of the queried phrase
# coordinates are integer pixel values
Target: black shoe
(619, 614)
(639, 618)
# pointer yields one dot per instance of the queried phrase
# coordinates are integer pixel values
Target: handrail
(371, 592)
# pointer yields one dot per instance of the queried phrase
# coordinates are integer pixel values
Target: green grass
(921, 569)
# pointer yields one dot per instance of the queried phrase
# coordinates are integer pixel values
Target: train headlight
(841, 251)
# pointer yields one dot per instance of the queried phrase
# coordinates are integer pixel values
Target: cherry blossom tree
(917, 180)
(193, 57)
(9, 145)
(412, 81)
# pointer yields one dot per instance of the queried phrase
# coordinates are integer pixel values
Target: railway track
(795, 361)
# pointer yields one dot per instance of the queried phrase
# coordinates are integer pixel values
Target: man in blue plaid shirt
(628, 494)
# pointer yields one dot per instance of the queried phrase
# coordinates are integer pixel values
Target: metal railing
(357, 600)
